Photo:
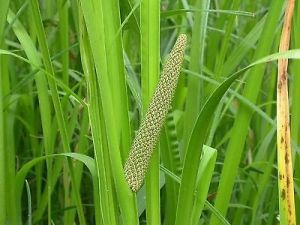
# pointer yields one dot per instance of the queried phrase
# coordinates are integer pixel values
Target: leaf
(21, 175)
(200, 131)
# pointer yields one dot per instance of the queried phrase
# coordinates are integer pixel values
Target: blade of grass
(226, 40)
(22, 173)
(245, 45)
(150, 64)
(63, 13)
(230, 12)
(196, 91)
(2, 147)
(102, 216)
(116, 69)
(273, 209)
(214, 37)
(284, 150)
(62, 8)
(177, 179)
(205, 173)
(10, 141)
(29, 203)
(237, 95)
(295, 107)
(49, 68)
(3, 14)
(264, 181)
(82, 147)
(102, 93)
(255, 183)
(171, 160)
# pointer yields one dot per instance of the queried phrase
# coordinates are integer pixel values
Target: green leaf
(200, 131)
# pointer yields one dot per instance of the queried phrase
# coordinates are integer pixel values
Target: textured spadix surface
(148, 133)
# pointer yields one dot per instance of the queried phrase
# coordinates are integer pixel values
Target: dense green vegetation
(76, 79)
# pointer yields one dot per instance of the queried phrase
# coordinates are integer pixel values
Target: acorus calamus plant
(284, 151)
(148, 133)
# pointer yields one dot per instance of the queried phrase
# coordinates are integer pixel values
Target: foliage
(77, 78)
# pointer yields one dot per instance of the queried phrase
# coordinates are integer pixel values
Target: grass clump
(78, 78)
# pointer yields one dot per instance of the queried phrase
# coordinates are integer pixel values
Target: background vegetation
(76, 78)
